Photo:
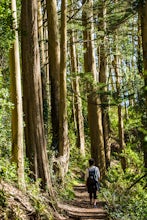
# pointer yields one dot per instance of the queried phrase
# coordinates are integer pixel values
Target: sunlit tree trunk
(44, 73)
(94, 103)
(32, 96)
(63, 125)
(87, 19)
(96, 131)
(139, 47)
(54, 68)
(16, 98)
(77, 99)
(103, 80)
(143, 15)
(120, 114)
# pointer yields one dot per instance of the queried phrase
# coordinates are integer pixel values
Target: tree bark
(103, 80)
(44, 72)
(32, 96)
(16, 98)
(54, 69)
(143, 13)
(96, 131)
(120, 115)
(63, 122)
(87, 20)
(94, 110)
(77, 99)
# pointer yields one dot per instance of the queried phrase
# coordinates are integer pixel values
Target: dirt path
(80, 209)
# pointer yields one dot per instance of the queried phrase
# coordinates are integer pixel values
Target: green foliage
(65, 191)
(134, 160)
(122, 202)
(6, 31)
(8, 170)
(5, 114)
(113, 119)
(3, 198)
(34, 191)
(39, 201)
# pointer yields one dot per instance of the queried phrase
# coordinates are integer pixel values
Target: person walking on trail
(92, 177)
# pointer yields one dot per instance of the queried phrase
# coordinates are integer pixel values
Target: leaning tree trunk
(16, 98)
(94, 109)
(32, 96)
(143, 15)
(54, 68)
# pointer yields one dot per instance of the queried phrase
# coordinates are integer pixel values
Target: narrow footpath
(80, 209)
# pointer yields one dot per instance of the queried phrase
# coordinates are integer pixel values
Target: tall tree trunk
(103, 80)
(87, 19)
(96, 131)
(16, 98)
(120, 115)
(77, 99)
(44, 73)
(32, 95)
(54, 68)
(63, 128)
(94, 110)
(143, 14)
(139, 47)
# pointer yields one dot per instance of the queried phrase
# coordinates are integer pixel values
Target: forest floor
(16, 204)
(80, 209)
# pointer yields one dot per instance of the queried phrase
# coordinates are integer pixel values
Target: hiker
(92, 177)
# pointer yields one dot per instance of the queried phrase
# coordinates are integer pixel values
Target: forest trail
(80, 209)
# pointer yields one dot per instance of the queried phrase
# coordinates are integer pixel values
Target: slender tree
(54, 68)
(94, 102)
(77, 99)
(143, 14)
(63, 128)
(77, 102)
(103, 79)
(116, 64)
(44, 72)
(16, 98)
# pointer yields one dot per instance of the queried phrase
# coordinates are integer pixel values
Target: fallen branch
(136, 181)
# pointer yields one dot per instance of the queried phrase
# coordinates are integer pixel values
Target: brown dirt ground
(80, 208)
(19, 204)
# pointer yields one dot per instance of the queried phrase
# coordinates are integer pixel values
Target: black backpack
(91, 180)
(92, 183)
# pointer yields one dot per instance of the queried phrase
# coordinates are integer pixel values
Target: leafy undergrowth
(125, 193)
(16, 204)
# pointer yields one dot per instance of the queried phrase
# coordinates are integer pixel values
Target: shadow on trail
(80, 209)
